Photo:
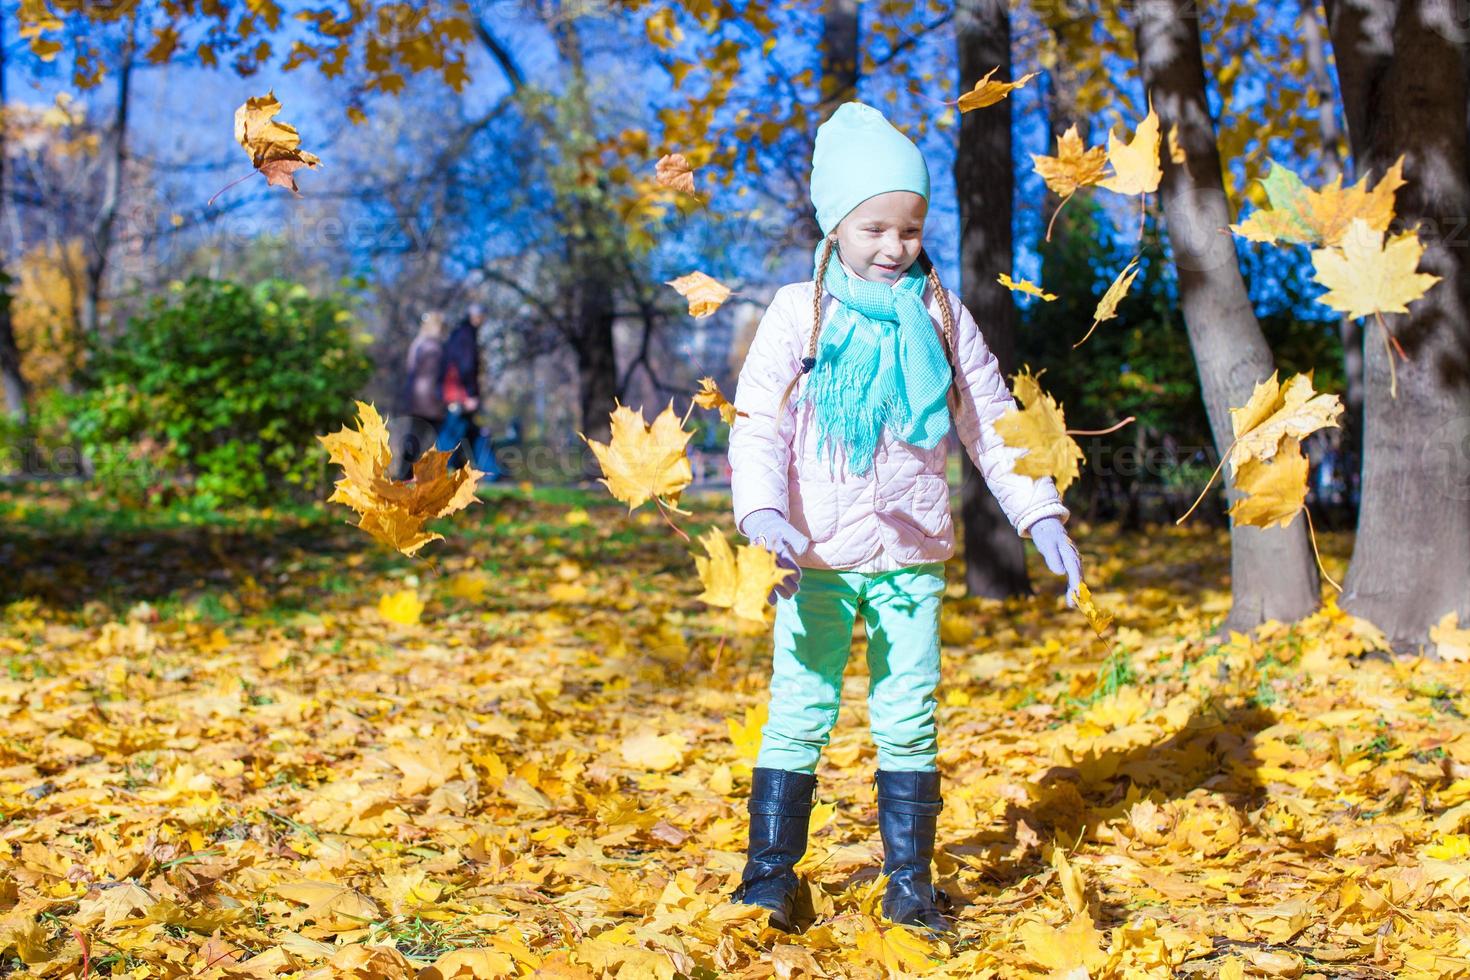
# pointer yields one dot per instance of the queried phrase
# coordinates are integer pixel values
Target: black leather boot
(780, 811)
(908, 814)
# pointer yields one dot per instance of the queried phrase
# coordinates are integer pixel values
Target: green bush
(216, 393)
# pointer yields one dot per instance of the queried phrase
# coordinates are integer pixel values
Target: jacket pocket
(928, 505)
(813, 507)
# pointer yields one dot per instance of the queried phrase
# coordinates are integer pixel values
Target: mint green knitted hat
(859, 154)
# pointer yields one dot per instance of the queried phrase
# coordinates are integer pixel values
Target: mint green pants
(813, 638)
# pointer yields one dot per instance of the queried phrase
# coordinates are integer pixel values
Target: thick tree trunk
(995, 562)
(597, 375)
(11, 378)
(1272, 572)
(839, 51)
(1403, 76)
(593, 270)
(105, 228)
(838, 84)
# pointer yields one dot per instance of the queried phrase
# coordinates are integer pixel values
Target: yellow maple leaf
(643, 461)
(739, 582)
(1275, 489)
(647, 750)
(1024, 286)
(1040, 428)
(390, 511)
(1097, 618)
(1450, 641)
(709, 395)
(1074, 885)
(896, 948)
(1107, 307)
(1451, 847)
(747, 737)
(274, 146)
(705, 295)
(1075, 946)
(987, 92)
(1302, 215)
(403, 607)
(674, 170)
(1276, 411)
(1075, 166)
(1136, 167)
(469, 586)
(331, 905)
(1365, 275)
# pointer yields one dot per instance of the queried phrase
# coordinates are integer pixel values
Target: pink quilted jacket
(898, 513)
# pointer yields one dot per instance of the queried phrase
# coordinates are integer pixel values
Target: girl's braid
(946, 316)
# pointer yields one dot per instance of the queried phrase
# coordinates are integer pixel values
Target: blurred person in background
(460, 388)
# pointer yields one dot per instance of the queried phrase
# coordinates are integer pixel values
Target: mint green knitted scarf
(879, 362)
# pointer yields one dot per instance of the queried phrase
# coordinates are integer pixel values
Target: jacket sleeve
(985, 397)
(760, 443)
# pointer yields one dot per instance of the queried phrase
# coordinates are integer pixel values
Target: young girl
(900, 359)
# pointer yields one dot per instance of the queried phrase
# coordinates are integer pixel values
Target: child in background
(900, 360)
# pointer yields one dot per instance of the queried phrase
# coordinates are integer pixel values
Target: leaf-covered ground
(218, 758)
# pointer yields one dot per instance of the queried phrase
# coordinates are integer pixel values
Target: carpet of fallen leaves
(224, 753)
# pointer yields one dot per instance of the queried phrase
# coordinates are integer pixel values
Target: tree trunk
(1348, 329)
(995, 560)
(104, 230)
(593, 271)
(11, 378)
(597, 376)
(1403, 75)
(838, 84)
(1272, 573)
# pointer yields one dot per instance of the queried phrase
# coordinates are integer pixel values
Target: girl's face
(881, 237)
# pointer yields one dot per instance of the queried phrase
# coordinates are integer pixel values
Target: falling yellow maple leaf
(1136, 167)
(741, 582)
(1275, 488)
(1273, 414)
(1278, 411)
(391, 511)
(641, 461)
(1107, 307)
(1366, 275)
(1075, 166)
(674, 170)
(709, 395)
(1040, 428)
(1301, 215)
(274, 146)
(403, 607)
(705, 295)
(1024, 286)
(1272, 422)
(987, 92)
